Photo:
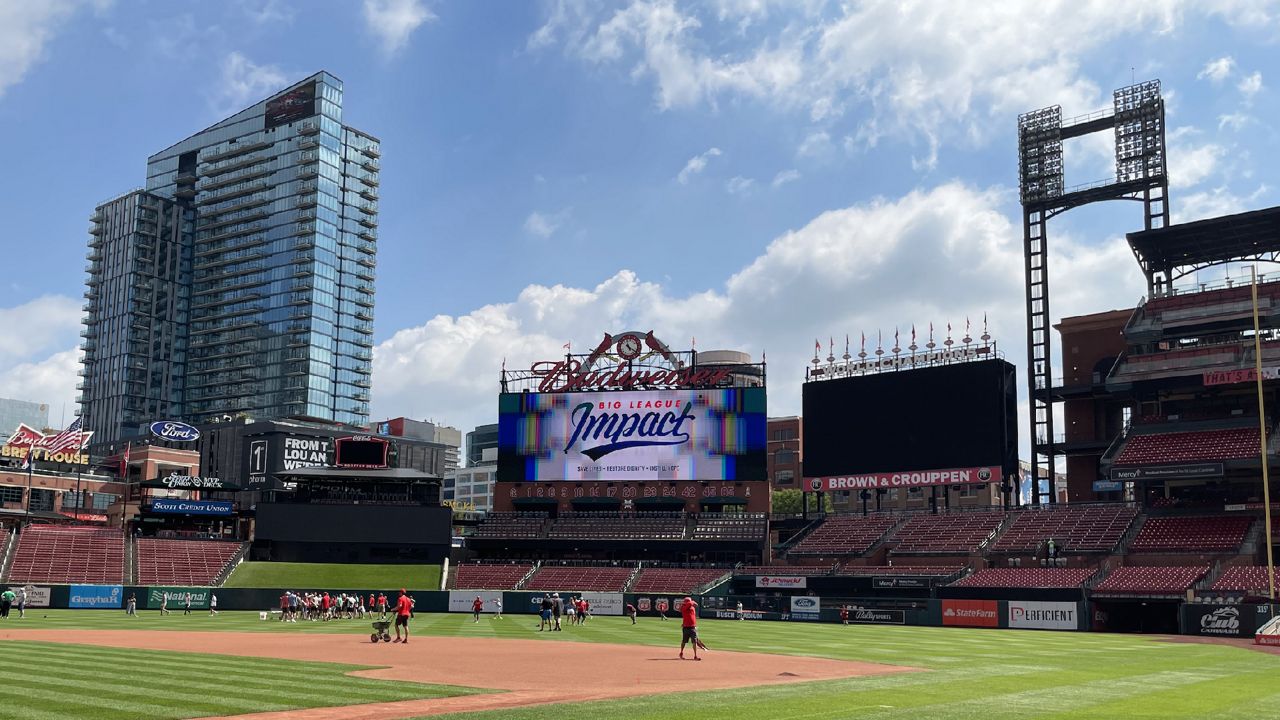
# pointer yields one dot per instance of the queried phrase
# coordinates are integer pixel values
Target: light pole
(1262, 435)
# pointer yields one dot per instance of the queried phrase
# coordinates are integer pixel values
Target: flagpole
(31, 463)
(1262, 436)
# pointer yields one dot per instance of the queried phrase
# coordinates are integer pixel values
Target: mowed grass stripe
(73, 681)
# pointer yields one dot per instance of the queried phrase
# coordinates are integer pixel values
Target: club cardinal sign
(61, 447)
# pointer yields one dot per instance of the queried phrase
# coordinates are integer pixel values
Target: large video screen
(643, 435)
(938, 418)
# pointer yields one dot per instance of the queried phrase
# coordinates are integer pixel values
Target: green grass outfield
(336, 576)
(971, 673)
(48, 681)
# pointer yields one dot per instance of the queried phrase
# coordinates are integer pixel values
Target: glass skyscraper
(265, 304)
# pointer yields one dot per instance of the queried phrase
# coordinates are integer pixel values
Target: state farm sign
(780, 582)
(971, 613)
(916, 478)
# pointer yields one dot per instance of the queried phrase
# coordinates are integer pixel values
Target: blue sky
(753, 173)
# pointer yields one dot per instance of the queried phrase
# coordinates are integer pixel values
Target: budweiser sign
(61, 447)
(954, 476)
(558, 376)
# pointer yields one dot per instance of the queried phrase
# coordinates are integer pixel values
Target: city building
(470, 489)
(241, 280)
(425, 430)
(786, 450)
(21, 412)
(482, 446)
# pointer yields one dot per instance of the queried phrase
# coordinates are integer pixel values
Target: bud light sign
(174, 431)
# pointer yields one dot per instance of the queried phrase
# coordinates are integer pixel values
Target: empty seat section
(730, 527)
(183, 562)
(68, 554)
(912, 570)
(591, 579)
(1141, 580)
(612, 526)
(1210, 533)
(1084, 529)
(675, 580)
(807, 570)
(1027, 578)
(511, 525)
(845, 535)
(960, 532)
(478, 576)
(1250, 579)
(1194, 446)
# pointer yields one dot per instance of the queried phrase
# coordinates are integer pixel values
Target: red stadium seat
(845, 535)
(477, 576)
(1027, 578)
(1141, 580)
(585, 579)
(1082, 529)
(183, 562)
(956, 532)
(1191, 446)
(675, 580)
(68, 554)
(1214, 533)
(1250, 579)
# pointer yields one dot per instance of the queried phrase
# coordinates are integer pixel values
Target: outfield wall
(1067, 615)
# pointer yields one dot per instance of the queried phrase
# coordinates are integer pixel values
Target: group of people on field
(553, 607)
(324, 606)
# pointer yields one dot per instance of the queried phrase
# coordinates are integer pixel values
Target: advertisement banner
(1230, 377)
(1107, 485)
(286, 107)
(96, 596)
(462, 600)
(38, 597)
(666, 435)
(191, 507)
(1043, 615)
(897, 581)
(795, 582)
(1167, 472)
(918, 478)
(971, 613)
(174, 431)
(643, 604)
(662, 605)
(174, 481)
(877, 617)
(177, 597)
(805, 607)
(604, 603)
(1219, 620)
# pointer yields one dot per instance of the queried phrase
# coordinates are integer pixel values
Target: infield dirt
(521, 672)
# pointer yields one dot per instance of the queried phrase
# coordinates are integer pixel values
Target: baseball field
(102, 664)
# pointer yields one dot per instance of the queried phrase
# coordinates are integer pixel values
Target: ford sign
(174, 431)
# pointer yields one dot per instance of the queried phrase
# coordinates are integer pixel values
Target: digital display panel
(643, 435)
(947, 418)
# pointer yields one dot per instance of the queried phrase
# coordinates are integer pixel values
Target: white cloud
(393, 21)
(1213, 203)
(784, 177)
(1217, 70)
(51, 381)
(1234, 121)
(816, 145)
(934, 255)
(928, 72)
(696, 164)
(45, 322)
(1250, 85)
(544, 225)
(244, 82)
(739, 185)
(264, 12)
(26, 28)
(1190, 163)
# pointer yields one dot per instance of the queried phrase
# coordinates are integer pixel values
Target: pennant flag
(124, 461)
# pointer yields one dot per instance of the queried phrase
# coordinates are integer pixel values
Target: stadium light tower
(1137, 119)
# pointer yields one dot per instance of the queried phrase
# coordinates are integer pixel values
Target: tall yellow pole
(1262, 436)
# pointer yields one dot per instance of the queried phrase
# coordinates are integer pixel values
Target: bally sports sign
(917, 478)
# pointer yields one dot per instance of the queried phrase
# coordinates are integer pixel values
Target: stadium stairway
(635, 572)
(6, 554)
(529, 575)
(130, 560)
(231, 565)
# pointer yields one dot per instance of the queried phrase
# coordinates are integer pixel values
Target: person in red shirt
(631, 613)
(284, 607)
(689, 627)
(844, 614)
(403, 606)
(477, 607)
(325, 603)
(382, 605)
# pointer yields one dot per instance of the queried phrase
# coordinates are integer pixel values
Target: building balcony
(229, 210)
(295, 369)
(369, 221)
(366, 315)
(306, 172)
(97, 229)
(308, 215)
(362, 300)
(206, 249)
(362, 383)
(372, 151)
(209, 230)
(307, 143)
(368, 234)
(236, 256)
(299, 299)
(230, 272)
(234, 231)
(363, 341)
(369, 193)
(370, 180)
(309, 127)
(366, 289)
(97, 216)
(94, 255)
(371, 165)
(91, 293)
(303, 244)
(366, 274)
(93, 281)
(369, 209)
(186, 192)
(236, 178)
(185, 177)
(361, 396)
(362, 355)
(306, 201)
(302, 271)
(368, 261)
(235, 149)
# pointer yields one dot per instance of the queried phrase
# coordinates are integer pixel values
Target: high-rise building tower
(269, 300)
